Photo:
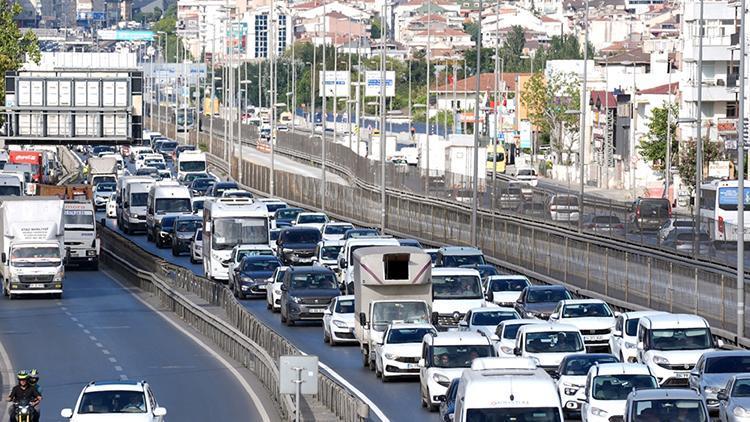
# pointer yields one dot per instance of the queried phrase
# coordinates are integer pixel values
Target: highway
(100, 331)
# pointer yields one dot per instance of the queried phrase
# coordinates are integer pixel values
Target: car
(549, 343)
(111, 207)
(283, 217)
(485, 320)
(432, 252)
(306, 293)
(687, 241)
(185, 227)
(188, 178)
(671, 224)
(456, 256)
(273, 204)
(734, 399)
(571, 378)
(356, 233)
(142, 158)
(714, 370)
(167, 149)
(448, 404)
(165, 230)
(607, 225)
(102, 192)
(311, 219)
(273, 290)
(510, 197)
(607, 387)
(531, 208)
(136, 151)
(485, 270)
(326, 255)
(410, 242)
(237, 193)
(506, 333)
(241, 251)
(563, 208)
(540, 301)
(648, 214)
(527, 191)
(197, 203)
(196, 247)
(398, 353)
(624, 338)
(665, 404)
(251, 276)
(338, 321)
(296, 245)
(116, 400)
(273, 235)
(219, 187)
(148, 171)
(335, 230)
(505, 290)
(182, 148)
(200, 186)
(527, 174)
(592, 316)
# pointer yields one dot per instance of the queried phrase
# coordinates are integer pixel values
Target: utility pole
(325, 113)
(582, 140)
(698, 123)
(272, 39)
(475, 181)
(294, 71)
(668, 166)
(741, 183)
(427, 103)
(382, 121)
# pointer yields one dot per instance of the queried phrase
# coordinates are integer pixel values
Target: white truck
(81, 242)
(190, 162)
(391, 284)
(31, 246)
(102, 169)
(459, 165)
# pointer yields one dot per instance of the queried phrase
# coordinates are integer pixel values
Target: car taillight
(620, 226)
(721, 225)
(553, 207)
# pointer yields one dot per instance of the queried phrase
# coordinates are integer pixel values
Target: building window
(732, 110)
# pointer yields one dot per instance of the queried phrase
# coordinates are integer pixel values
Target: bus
(496, 157)
(718, 210)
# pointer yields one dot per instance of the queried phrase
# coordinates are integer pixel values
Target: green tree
(471, 28)
(550, 103)
(688, 158)
(168, 25)
(16, 46)
(653, 147)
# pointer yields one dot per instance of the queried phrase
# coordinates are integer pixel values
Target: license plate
(411, 366)
(682, 375)
(317, 310)
(262, 287)
(593, 338)
(36, 286)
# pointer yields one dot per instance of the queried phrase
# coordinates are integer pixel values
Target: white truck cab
(549, 343)
(671, 344)
(454, 292)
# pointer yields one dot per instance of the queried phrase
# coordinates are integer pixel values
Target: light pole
(582, 140)
(382, 121)
(632, 130)
(699, 122)
(475, 181)
(427, 103)
(741, 182)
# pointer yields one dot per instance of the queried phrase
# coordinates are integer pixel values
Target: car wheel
(289, 322)
(422, 400)
(175, 252)
(125, 228)
(378, 373)
(326, 338)
(283, 318)
(192, 260)
(371, 364)
(149, 237)
(269, 306)
(365, 358)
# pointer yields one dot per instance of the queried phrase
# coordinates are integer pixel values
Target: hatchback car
(665, 404)
(399, 352)
(283, 217)
(563, 208)
(714, 370)
(252, 275)
(116, 400)
(674, 223)
(607, 225)
(185, 227)
(686, 240)
(504, 290)
(338, 321)
(486, 319)
(540, 301)
(273, 290)
(734, 400)
(200, 186)
(571, 377)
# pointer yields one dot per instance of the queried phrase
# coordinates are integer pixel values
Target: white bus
(718, 210)
(228, 222)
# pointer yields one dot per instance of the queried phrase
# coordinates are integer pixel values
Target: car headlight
(135, 215)
(277, 292)
(14, 279)
(391, 356)
(660, 360)
(287, 250)
(629, 345)
(711, 389)
(441, 379)
(340, 324)
(598, 412)
(245, 279)
(507, 350)
(741, 412)
(295, 299)
(570, 391)
(59, 276)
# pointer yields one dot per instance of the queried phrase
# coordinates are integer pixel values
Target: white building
(259, 35)
(200, 23)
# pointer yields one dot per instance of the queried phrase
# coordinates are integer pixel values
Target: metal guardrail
(245, 338)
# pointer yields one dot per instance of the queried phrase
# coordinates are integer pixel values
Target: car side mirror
(519, 301)
(327, 312)
(342, 263)
(617, 314)
(517, 351)
(314, 259)
(719, 344)
(639, 346)
(362, 318)
(421, 363)
(695, 373)
(160, 411)
(489, 297)
(4, 257)
(617, 333)
(463, 323)
(66, 413)
(581, 397)
(555, 375)
(722, 395)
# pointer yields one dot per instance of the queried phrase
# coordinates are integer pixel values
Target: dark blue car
(252, 275)
(448, 405)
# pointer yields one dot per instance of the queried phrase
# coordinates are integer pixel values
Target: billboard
(337, 84)
(372, 83)
(165, 73)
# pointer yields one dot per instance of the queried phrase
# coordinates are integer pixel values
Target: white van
(549, 343)
(165, 198)
(134, 200)
(190, 162)
(454, 292)
(506, 389)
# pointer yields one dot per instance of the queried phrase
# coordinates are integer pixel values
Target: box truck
(102, 169)
(81, 241)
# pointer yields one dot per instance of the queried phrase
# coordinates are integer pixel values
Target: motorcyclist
(23, 391)
(34, 382)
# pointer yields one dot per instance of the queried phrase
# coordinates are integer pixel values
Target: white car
(141, 159)
(111, 207)
(671, 224)
(607, 389)
(136, 151)
(273, 290)
(549, 343)
(505, 290)
(311, 219)
(335, 230)
(338, 321)
(398, 354)
(122, 401)
(326, 255)
(196, 247)
(526, 174)
(485, 320)
(506, 333)
(624, 339)
(592, 316)
(571, 378)
(273, 204)
(237, 193)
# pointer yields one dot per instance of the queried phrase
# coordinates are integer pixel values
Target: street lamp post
(582, 140)
(741, 181)
(382, 121)
(699, 121)
(475, 181)
(427, 102)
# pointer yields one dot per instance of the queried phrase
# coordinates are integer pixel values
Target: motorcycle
(23, 411)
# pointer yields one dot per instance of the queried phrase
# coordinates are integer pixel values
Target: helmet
(33, 376)
(22, 375)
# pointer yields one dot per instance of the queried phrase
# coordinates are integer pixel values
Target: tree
(16, 47)
(375, 29)
(654, 147)
(471, 28)
(549, 103)
(688, 158)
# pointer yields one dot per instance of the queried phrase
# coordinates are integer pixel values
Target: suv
(648, 214)
(456, 256)
(607, 389)
(592, 316)
(540, 301)
(296, 245)
(665, 404)
(121, 400)
(306, 293)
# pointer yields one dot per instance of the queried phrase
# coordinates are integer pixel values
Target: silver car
(714, 369)
(734, 401)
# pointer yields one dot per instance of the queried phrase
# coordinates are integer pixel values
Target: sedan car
(283, 217)
(123, 401)
(273, 290)
(185, 227)
(400, 350)
(311, 219)
(252, 275)
(686, 240)
(338, 321)
(200, 186)
(196, 248)
(714, 370)
(102, 192)
(540, 301)
(607, 225)
(485, 320)
(734, 400)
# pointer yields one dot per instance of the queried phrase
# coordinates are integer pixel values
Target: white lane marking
(64, 308)
(7, 375)
(105, 351)
(93, 338)
(68, 313)
(81, 326)
(259, 405)
(74, 319)
(118, 368)
(86, 332)
(113, 360)
(123, 377)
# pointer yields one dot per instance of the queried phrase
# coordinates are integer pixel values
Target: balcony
(713, 90)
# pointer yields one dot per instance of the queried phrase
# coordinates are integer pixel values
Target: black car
(306, 292)
(285, 216)
(188, 178)
(355, 233)
(540, 301)
(219, 187)
(485, 270)
(410, 242)
(296, 245)
(165, 230)
(200, 186)
(252, 275)
(578, 365)
(184, 229)
(181, 148)
(167, 149)
(648, 214)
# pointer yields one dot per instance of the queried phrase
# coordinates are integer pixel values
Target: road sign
(372, 83)
(302, 370)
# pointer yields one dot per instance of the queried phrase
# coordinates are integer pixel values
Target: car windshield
(112, 402)
(106, 187)
(526, 172)
(10, 190)
(167, 223)
(631, 327)
(192, 166)
(168, 146)
(272, 207)
(407, 335)
(486, 318)
(316, 280)
(355, 233)
(30, 252)
(461, 260)
(691, 237)
(456, 287)
(584, 310)
(617, 387)
(580, 365)
(741, 388)
(605, 219)
(554, 342)
(301, 236)
(188, 225)
(287, 213)
(547, 295)
(345, 306)
(565, 201)
(514, 414)
(78, 219)
(337, 229)
(228, 232)
(727, 365)
(138, 199)
(159, 165)
(265, 265)
(681, 339)
(669, 410)
(330, 252)
(510, 331)
(198, 205)
(253, 252)
(219, 189)
(165, 205)
(459, 356)
(202, 183)
(384, 313)
(508, 285)
(194, 176)
(311, 218)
